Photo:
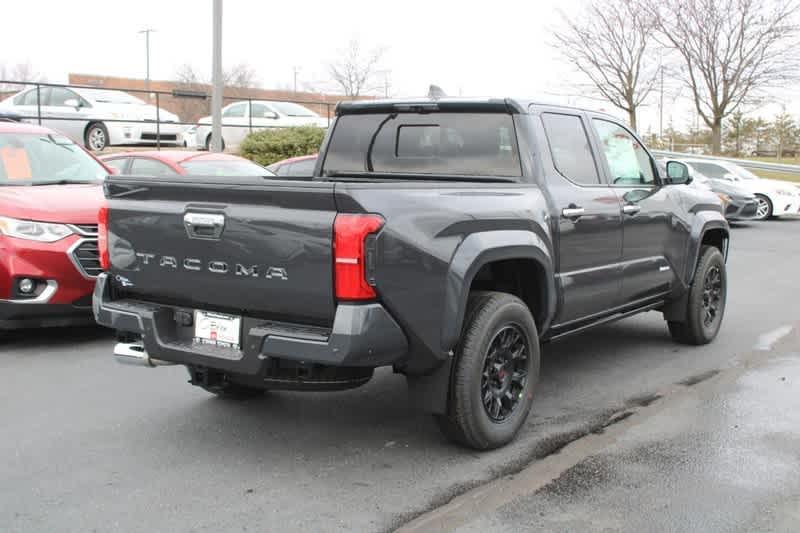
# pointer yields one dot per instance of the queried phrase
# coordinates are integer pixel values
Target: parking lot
(93, 446)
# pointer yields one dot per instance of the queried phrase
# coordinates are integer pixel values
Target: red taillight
(102, 237)
(350, 255)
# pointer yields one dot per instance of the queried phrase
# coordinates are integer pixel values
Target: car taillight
(102, 237)
(351, 255)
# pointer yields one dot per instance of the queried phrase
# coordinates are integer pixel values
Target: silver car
(97, 118)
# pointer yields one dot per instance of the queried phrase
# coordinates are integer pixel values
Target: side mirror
(271, 114)
(730, 176)
(73, 102)
(678, 173)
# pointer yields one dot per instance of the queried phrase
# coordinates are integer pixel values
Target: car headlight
(33, 231)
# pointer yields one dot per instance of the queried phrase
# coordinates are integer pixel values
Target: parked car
(295, 166)
(740, 204)
(96, 118)
(50, 195)
(774, 197)
(237, 122)
(772, 151)
(444, 238)
(182, 163)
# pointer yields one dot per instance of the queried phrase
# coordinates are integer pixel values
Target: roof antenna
(436, 92)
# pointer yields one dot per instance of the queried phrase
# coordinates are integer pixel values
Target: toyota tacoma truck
(445, 238)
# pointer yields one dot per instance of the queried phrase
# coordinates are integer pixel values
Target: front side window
(261, 111)
(293, 110)
(59, 96)
(569, 145)
(235, 111)
(628, 161)
(442, 144)
(150, 167)
(41, 158)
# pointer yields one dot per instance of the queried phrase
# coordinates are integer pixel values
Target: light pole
(147, 33)
(216, 79)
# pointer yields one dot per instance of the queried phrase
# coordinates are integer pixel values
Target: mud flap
(429, 393)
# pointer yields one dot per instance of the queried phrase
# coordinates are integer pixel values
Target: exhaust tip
(131, 353)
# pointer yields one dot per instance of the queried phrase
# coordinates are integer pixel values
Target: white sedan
(97, 118)
(775, 197)
(237, 121)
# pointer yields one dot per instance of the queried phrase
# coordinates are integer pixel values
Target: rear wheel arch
(516, 262)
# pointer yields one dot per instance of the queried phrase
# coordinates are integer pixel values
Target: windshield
(441, 144)
(292, 110)
(111, 97)
(743, 173)
(35, 158)
(231, 168)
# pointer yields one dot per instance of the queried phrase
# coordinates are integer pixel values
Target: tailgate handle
(204, 225)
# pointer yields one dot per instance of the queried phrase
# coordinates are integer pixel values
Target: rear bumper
(122, 133)
(361, 336)
(786, 205)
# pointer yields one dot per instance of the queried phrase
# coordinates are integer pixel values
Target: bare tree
(239, 76)
(20, 72)
(731, 51)
(354, 72)
(612, 45)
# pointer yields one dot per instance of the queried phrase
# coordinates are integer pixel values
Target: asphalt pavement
(90, 445)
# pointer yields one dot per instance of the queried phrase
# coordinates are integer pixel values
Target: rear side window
(150, 167)
(455, 144)
(711, 170)
(302, 168)
(569, 145)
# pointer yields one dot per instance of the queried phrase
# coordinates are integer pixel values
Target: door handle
(631, 209)
(572, 212)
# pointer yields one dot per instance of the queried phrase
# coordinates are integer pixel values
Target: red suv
(50, 195)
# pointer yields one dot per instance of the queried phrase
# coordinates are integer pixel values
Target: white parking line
(768, 340)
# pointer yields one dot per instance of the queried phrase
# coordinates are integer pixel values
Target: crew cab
(446, 238)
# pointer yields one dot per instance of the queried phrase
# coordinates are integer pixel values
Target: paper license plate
(217, 329)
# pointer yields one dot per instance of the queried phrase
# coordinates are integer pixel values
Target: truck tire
(496, 368)
(705, 305)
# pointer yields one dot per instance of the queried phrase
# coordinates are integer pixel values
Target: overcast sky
(468, 48)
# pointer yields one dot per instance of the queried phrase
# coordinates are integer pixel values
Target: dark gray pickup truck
(445, 238)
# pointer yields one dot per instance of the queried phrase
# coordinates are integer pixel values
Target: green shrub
(269, 146)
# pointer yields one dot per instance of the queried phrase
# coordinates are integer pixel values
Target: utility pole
(216, 78)
(661, 107)
(147, 33)
(295, 70)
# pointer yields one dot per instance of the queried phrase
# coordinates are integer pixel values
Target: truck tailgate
(253, 246)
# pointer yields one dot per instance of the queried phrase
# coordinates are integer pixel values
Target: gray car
(740, 204)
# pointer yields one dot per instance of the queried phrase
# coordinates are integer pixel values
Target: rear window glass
(458, 144)
(227, 167)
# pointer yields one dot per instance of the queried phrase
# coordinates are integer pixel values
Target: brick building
(191, 109)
